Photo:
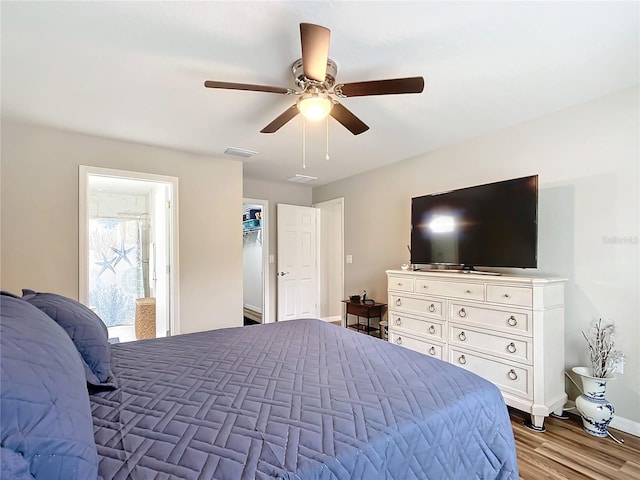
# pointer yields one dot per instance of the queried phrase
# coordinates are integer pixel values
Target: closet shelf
(251, 225)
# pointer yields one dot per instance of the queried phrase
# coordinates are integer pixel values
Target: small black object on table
(363, 310)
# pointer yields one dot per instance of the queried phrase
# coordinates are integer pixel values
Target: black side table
(363, 310)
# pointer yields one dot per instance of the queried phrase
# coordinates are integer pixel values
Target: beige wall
(39, 248)
(275, 193)
(587, 158)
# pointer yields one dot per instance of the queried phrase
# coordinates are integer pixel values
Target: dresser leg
(536, 423)
(559, 413)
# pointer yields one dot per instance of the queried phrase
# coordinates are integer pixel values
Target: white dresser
(507, 329)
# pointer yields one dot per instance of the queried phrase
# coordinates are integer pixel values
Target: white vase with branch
(596, 411)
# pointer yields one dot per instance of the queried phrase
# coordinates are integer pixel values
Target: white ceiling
(135, 70)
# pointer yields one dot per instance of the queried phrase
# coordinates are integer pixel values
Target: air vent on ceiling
(301, 178)
(239, 152)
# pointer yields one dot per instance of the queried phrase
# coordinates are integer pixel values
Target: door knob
(282, 274)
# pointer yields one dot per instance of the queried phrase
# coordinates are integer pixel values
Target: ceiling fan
(315, 75)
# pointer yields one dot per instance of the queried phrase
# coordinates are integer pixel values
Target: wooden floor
(565, 451)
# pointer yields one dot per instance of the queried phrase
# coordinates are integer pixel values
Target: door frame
(266, 273)
(83, 228)
(324, 250)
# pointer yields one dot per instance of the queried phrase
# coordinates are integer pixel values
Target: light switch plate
(349, 258)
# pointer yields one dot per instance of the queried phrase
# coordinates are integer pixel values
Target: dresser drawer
(508, 321)
(423, 306)
(471, 291)
(423, 326)
(432, 349)
(521, 296)
(511, 378)
(401, 284)
(507, 348)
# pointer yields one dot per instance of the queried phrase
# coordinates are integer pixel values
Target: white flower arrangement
(603, 356)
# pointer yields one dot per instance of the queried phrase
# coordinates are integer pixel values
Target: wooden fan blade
(246, 86)
(380, 87)
(348, 119)
(315, 50)
(283, 118)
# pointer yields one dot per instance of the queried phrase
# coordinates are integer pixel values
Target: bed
(301, 400)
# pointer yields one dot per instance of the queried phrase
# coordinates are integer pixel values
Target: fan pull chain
(304, 143)
(327, 156)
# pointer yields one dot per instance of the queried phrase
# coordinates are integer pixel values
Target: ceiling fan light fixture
(315, 75)
(315, 106)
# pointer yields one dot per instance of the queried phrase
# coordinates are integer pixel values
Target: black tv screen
(492, 225)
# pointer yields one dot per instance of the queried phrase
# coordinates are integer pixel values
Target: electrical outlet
(349, 258)
(618, 366)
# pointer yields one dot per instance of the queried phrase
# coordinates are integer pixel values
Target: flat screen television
(492, 225)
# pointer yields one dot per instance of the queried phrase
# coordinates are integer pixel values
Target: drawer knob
(513, 375)
(399, 340)
(506, 295)
(432, 329)
(398, 321)
(432, 351)
(462, 360)
(425, 286)
(468, 292)
(462, 313)
(399, 284)
(398, 302)
(511, 348)
(462, 336)
(512, 321)
(432, 308)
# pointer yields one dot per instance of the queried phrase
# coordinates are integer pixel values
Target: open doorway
(255, 252)
(128, 265)
(331, 255)
(310, 255)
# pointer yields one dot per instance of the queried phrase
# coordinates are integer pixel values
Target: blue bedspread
(297, 400)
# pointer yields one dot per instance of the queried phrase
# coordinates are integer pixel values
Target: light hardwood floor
(565, 451)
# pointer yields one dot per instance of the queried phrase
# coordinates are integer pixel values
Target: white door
(297, 262)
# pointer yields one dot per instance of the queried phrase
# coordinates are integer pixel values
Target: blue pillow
(44, 404)
(88, 332)
(8, 294)
(13, 465)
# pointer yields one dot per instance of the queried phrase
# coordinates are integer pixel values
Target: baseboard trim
(335, 318)
(626, 425)
(253, 307)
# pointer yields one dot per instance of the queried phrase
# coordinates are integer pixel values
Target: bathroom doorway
(128, 264)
